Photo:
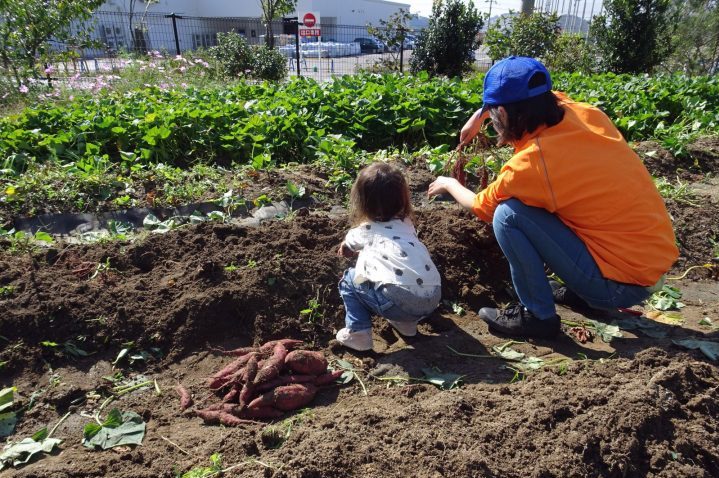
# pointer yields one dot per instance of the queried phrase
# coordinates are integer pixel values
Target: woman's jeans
(363, 300)
(531, 237)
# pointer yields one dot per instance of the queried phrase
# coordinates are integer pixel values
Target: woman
(574, 197)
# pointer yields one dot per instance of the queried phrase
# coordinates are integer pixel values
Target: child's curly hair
(379, 194)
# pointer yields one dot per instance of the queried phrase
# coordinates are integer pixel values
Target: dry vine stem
(480, 143)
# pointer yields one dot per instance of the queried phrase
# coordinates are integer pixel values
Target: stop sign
(309, 20)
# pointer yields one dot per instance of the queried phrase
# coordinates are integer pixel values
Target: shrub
(571, 53)
(522, 35)
(447, 45)
(232, 54)
(269, 64)
(633, 36)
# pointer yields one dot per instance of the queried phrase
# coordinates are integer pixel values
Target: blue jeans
(362, 301)
(531, 237)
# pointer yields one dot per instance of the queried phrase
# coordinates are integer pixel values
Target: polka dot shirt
(390, 253)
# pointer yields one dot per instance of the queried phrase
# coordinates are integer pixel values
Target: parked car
(370, 45)
(409, 42)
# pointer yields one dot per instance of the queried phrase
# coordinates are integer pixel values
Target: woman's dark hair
(527, 115)
(380, 194)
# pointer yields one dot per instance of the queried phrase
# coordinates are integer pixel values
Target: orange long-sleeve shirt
(583, 171)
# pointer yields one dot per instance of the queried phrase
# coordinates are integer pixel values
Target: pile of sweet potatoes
(263, 382)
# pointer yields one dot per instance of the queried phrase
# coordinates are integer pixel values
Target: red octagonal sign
(309, 20)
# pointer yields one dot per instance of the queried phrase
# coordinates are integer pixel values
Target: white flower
(24, 89)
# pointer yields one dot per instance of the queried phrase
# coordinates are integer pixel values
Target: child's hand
(345, 251)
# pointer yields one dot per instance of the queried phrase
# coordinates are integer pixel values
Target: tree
(447, 45)
(272, 10)
(696, 39)
(27, 26)
(522, 35)
(138, 33)
(633, 36)
(571, 53)
(392, 33)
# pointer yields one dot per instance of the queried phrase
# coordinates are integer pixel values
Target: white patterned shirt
(390, 253)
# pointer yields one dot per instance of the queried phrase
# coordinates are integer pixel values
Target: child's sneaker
(408, 328)
(360, 340)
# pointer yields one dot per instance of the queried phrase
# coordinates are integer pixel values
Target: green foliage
(27, 26)
(696, 38)
(118, 429)
(272, 10)
(206, 471)
(666, 299)
(233, 55)
(571, 53)
(446, 47)
(531, 35)
(633, 36)
(269, 64)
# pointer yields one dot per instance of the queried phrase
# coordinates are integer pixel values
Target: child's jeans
(363, 300)
(531, 237)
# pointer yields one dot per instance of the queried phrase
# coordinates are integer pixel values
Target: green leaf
(40, 435)
(605, 331)
(445, 381)
(6, 398)
(43, 236)
(117, 430)
(506, 352)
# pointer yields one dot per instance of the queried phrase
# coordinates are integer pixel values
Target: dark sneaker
(564, 296)
(517, 320)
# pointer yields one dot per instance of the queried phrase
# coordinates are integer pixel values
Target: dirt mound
(697, 232)
(661, 163)
(627, 418)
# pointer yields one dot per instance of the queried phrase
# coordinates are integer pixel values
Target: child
(394, 276)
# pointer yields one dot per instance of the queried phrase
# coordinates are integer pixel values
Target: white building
(150, 29)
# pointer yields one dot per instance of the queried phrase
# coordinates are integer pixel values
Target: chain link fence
(341, 50)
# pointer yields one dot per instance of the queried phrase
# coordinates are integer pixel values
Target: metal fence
(342, 49)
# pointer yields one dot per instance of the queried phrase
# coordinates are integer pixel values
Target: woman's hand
(471, 128)
(441, 185)
(444, 184)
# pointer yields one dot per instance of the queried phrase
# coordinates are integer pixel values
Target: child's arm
(353, 243)
(462, 195)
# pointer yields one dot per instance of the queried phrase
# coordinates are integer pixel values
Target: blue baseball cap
(508, 81)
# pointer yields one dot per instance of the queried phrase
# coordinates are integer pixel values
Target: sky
(424, 7)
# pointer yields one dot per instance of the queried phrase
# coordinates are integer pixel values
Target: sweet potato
(272, 366)
(220, 416)
(329, 377)
(289, 344)
(242, 351)
(261, 412)
(284, 380)
(185, 397)
(219, 379)
(232, 394)
(287, 397)
(306, 362)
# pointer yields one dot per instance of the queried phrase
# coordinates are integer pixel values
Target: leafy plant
(117, 429)
(8, 419)
(232, 54)
(313, 311)
(446, 47)
(268, 64)
(392, 33)
(7, 290)
(633, 36)
(531, 35)
(205, 471)
(666, 299)
(679, 192)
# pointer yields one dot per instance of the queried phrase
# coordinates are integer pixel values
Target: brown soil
(636, 407)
